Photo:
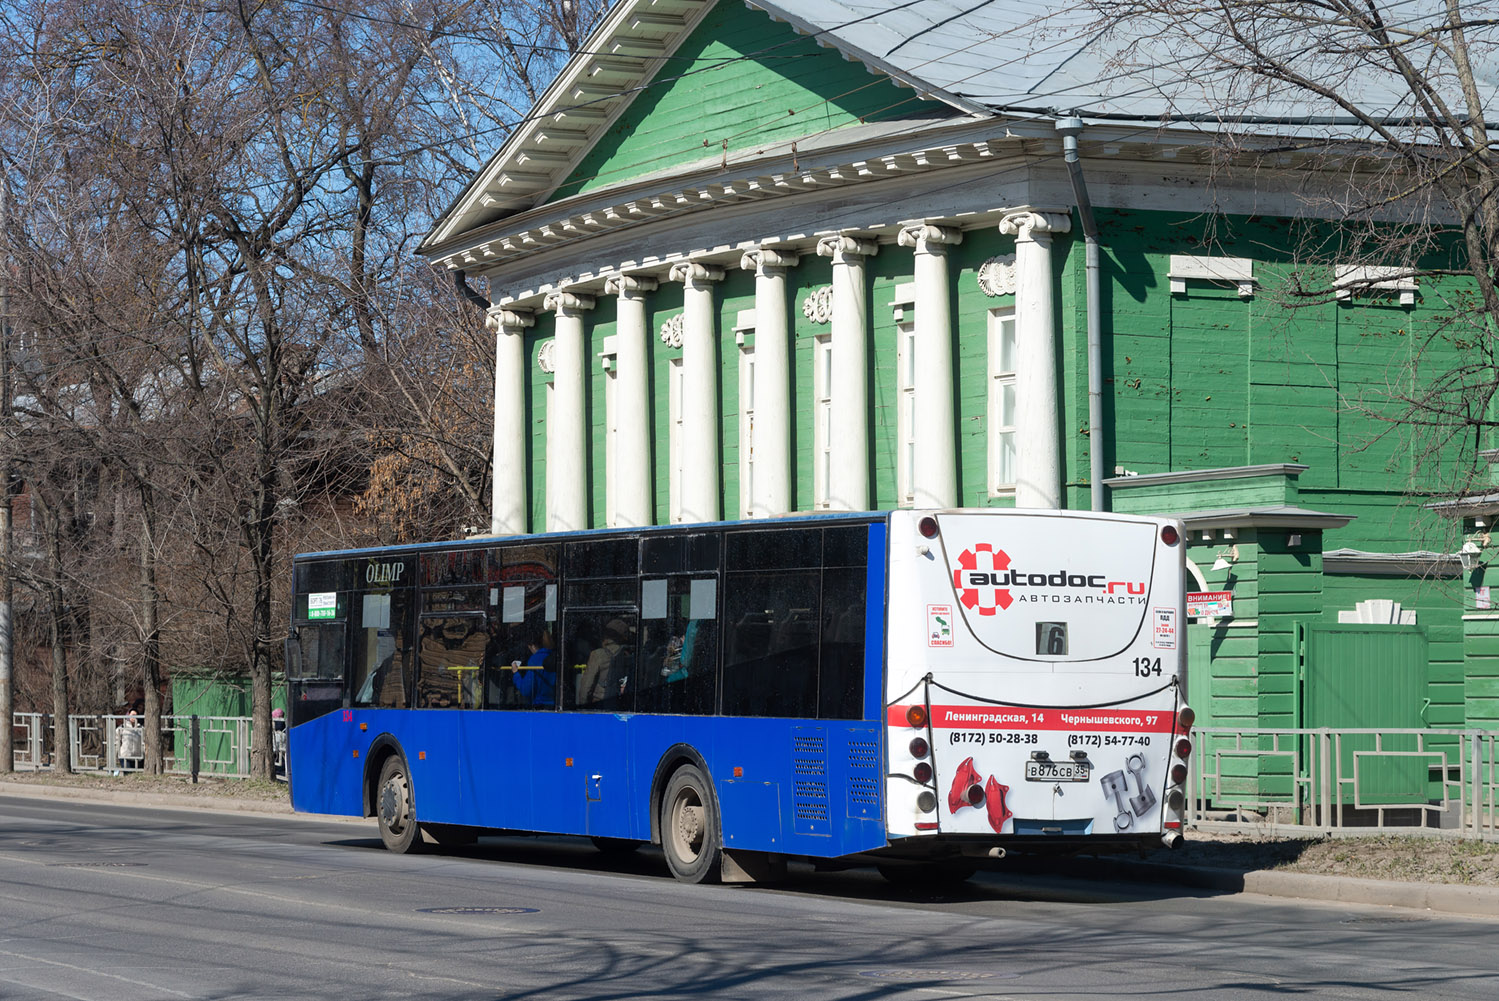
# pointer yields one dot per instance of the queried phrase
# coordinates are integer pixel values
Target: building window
(747, 432)
(905, 419)
(822, 419)
(611, 446)
(1002, 472)
(674, 435)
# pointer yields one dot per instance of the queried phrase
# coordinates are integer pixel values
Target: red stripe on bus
(1018, 718)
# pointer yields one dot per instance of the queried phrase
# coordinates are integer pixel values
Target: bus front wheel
(689, 827)
(396, 809)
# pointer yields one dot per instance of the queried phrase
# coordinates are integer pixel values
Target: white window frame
(822, 420)
(1001, 379)
(607, 359)
(905, 412)
(674, 386)
(747, 430)
(551, 448)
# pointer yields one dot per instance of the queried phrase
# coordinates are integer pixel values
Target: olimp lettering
(1018, 578)
(384, 573)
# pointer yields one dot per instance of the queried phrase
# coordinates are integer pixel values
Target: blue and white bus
(917, 689)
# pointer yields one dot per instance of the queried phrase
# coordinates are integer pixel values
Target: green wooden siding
(738, 81)
(1481, 681)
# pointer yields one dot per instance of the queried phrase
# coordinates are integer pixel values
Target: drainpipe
(1069, 128)
(460, 280)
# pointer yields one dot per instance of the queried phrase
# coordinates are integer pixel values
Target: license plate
(1056, 771)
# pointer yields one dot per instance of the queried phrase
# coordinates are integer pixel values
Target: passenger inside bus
(536, 679)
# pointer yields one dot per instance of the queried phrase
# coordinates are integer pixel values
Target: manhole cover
(476, 910)
(94, 865)
(925, 975)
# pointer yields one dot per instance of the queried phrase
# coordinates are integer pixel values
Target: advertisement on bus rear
(1035, 673)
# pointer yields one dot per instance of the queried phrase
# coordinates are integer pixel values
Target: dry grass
(207, 787)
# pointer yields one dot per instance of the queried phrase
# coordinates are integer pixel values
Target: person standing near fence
(278, 742)
(131, 742)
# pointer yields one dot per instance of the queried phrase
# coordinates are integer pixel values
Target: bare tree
(1382, 104)
(216, 207)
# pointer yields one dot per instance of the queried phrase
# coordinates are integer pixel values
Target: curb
(124, 797)
(1444, 898)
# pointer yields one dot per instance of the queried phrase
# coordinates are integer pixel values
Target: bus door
(599, 653)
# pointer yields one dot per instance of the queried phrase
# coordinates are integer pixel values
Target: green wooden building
(751, 259)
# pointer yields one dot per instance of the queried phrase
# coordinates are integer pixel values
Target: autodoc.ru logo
(986, 590)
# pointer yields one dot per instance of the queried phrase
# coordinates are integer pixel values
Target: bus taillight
(922, 772)
(1185, 718)
(927, 527)
(1169, 535)
(1175, 800)
(1183, 748)
(916, 716)
(927, 801)
(1178, 773)
(919, 747)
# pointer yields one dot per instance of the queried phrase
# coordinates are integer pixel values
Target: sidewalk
(1442, 898)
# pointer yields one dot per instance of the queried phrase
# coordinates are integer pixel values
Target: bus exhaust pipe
(980, 852)
(1172, 840)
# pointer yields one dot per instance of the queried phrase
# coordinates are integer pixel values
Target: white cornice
(523, 234)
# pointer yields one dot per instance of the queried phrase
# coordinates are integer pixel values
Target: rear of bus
(1035, 682)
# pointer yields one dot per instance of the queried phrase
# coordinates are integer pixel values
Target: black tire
(936, 876)
(395, 808)
(616, 846)
(690, 835)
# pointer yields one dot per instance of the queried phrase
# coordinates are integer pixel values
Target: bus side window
(770, 643)
(678, 646)
(382, 648)
(451, 658)
(600, 660)
(840, 688)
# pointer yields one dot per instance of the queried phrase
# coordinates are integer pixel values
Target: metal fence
(99, 743)
(1284, 782)
(1365, 781)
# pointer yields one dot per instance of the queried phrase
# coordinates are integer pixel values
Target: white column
(700, 495)
(773, 476)
(936, 468)
(567, 425)
(632, 480)
(1038, 454)
(848, 479)
(508, 491)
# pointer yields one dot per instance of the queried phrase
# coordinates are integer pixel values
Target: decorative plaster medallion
(544, 356)
(818, 306)
(997, 276)
(671, 332)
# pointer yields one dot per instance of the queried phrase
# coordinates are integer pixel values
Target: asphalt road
(129, 904)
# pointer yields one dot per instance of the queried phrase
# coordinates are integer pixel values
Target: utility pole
(7, 648)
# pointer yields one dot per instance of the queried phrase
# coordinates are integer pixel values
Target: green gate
(1362, 676)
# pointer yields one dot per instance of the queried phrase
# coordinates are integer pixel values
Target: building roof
(1002, 61)
(1049, 56)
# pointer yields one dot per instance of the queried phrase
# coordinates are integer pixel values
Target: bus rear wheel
(690, 837)
(396, 809)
